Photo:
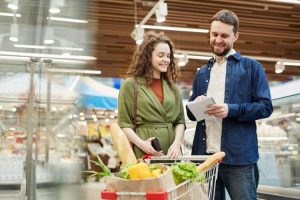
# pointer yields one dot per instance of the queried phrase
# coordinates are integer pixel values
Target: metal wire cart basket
(187, 190)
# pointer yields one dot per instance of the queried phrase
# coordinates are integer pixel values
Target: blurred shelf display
(62, 128)
(279, 140)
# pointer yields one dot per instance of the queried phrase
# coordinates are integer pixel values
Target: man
(240, 89)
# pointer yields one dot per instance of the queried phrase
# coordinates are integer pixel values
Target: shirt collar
(229, 53)
(232, 53)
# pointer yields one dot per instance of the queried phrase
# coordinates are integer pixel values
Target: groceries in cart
(153, 178)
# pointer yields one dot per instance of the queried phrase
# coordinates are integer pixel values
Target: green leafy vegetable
(124, 172)
(183, 171)
(96, 174)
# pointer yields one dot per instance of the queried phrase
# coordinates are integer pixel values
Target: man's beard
(223, 53)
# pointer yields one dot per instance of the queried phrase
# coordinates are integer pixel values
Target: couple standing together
(238, 85)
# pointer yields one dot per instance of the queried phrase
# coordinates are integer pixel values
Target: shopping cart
(188, 190)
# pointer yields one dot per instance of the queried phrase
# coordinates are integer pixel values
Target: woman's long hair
(141, 63)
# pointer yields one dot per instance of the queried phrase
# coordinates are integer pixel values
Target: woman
(159, 105)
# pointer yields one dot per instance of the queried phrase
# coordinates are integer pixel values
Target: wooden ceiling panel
(267, 28)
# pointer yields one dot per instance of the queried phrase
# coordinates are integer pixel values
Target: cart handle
(211, 161)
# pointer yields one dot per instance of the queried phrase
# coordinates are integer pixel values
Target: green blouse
(153, 119)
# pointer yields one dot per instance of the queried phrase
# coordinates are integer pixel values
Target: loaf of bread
(210, 161)
(122, 145)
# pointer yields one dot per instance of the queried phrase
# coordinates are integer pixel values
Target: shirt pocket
(242, 88)
(243, 83)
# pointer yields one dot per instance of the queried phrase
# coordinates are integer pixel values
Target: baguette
(122, 145)
(210, 161)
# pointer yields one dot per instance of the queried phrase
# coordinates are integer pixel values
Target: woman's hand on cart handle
(174, 151)
(211, 161)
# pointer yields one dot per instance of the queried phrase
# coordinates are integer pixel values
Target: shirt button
(206, 81)
(202, 124)
(203, 139)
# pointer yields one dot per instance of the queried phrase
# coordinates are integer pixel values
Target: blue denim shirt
(247, 95)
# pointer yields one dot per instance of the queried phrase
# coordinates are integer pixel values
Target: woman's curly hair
(141, 63)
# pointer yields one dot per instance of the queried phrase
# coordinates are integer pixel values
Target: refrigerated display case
(279, 140)
(39, 139)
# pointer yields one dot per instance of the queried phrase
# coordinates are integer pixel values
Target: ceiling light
(139, 35)
(196, 57)
(200, 55)
(291, 63)
(288, 1)
(190, 55)
(55, 6)
(74, 71)
(67, 20)
(49, 36)
(279, 67)
(182, 60)
(66, 61)
(60, 135)
(14, 32)
(42, 55)
(161, 12)
(13, 4)
(172, 28)
(47, 47)
(54, 10)
(9, 14)
(14, 58)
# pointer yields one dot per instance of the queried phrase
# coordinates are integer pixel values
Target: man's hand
(217, 110)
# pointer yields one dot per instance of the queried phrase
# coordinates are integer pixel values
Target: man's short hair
(227, 17)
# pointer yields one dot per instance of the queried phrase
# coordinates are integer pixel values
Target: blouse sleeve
(125, 104)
